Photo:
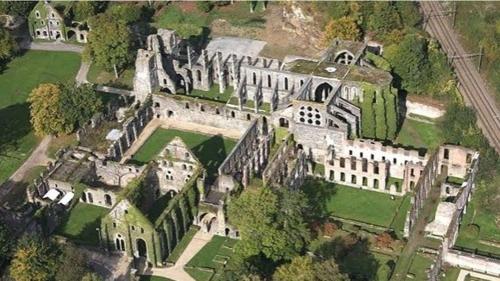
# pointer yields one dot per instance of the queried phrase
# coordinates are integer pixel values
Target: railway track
(471, 85)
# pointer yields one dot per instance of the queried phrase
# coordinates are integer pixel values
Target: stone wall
(421, 109)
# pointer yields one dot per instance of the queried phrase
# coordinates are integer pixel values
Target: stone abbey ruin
(292, 119)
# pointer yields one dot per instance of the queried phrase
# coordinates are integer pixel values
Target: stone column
(222, 85)
(190, 65)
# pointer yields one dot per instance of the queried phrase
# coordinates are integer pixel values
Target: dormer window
(43, 23)
(52, 15)
(37, 14)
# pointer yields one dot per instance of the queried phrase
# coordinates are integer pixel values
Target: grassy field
(81, 223)
(100, 76)
(419, 134)
(398, 223)
(17, 80)
(488, 232)
(451, 274)
(352, 203)
(214, 94)
(418, 266)
(179, 248)
(210, 150)
(212, 256)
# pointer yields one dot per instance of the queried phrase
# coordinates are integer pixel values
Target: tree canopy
(57, 109)
(303, 268)
(16, 8)
(34, 260)
(8, 46)
(73, 265)
(110, 43)
(6, 244)
(270, 223)
(344, 28)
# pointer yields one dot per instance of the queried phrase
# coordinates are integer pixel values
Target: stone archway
(71, 35)
(322, 91)
(142, 250)
(207, 221)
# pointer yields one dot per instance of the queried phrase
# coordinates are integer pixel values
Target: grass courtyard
(81, 223)
(100, 76)
(210, 150)
(355, 204)
(17, 80)
(419, 134)
(208, 263)
(478, 231)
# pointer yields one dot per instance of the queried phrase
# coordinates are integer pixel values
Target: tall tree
(45, 110)
(110, 43)
(8, 46)
(16, 8)
(92, 277)
(384, 18)
(344, 28)
(78, 104)
(265, 221)
(34, 260)
(83, 10)
(409, 60)
(303, 268)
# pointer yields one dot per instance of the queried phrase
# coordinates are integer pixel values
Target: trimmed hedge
(380, 124)
(379, 114)
(367, 115)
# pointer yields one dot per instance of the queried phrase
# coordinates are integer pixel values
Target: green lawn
(98, 75)
(179, 248)
(385, 266)
(210, 150)
(418, 266)
(17, 80)
(451, 274)
(81, 223)
(352, 203)
(153, 278)
(211, 256)
(213, 94)
(398, 222)
(419, 134)
(487, 230)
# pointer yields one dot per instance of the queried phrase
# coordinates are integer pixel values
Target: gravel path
(177, 271)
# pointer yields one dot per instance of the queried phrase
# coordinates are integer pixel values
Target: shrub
(367, 115)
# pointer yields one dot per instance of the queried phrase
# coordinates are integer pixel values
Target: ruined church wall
(200, 112)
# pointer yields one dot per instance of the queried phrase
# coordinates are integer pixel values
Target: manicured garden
(210, 259)
(354, 204)
(419, 134)
(478, 231)
(210, 150)
(81, 224)
(17, 80)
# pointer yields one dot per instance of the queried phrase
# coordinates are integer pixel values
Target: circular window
(309, 115)
(302, 120)
(309, 121)
(301, 108)
(318, 122)
(309, 108)
(316, 110)
(302, 113)
(318, 116)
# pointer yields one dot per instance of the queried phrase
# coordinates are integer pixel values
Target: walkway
(463, 274)
(177, 271)
(179, 125)
(37, 158)
(52, 46)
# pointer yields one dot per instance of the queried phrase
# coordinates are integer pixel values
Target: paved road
(471, 85)
(177, 271)
(37, 158)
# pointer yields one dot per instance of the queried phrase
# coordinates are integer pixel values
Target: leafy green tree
(34, 260)
(409, 61)
(45, 110)
(126, 12)
(16, 8)
(344, 28)
(59, 109)
(6, 244)
(110, 43)
(384, 18)
(259, 217)
(73, 265)
(83, 10)
(8, 46)
(78, 104)
(409, 13)
(303, 268)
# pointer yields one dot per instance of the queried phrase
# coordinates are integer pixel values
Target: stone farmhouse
(295, 118)
(48, 21)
